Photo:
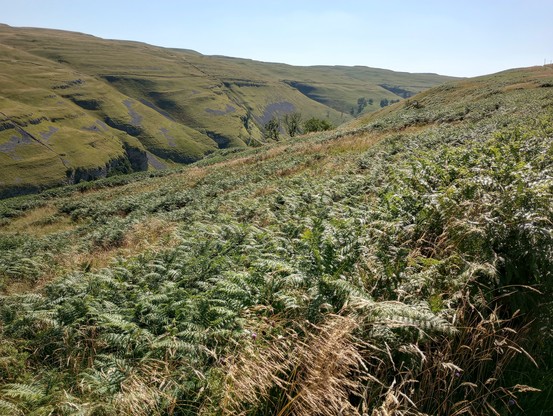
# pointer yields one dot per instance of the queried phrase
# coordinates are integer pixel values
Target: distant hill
(76, 107)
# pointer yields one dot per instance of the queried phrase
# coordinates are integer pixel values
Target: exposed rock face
(18, 190)
(80, 174)
(137, 158)
(130, 129)
(222, 141)
(134, 160)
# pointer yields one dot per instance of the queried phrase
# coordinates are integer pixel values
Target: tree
(384, 102)
(316, 124)
(272, 129)
(292, 123)
(247, 121)
(361, 104)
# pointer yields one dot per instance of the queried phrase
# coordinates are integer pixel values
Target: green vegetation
(316, 124)
(385, 102)
(293, 126)
(124, 104)
(292, 123)
(272, 129)
(399, 265)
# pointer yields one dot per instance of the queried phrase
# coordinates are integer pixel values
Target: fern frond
(398, 314)
(25, 392)
(8, 408)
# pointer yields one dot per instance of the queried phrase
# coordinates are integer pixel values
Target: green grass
(176, 104)
(319, 275)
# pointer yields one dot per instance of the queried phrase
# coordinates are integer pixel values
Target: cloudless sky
(450, 37)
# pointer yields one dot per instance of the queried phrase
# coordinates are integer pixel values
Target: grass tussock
(295, 375)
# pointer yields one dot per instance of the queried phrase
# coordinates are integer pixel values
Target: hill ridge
(183, 105)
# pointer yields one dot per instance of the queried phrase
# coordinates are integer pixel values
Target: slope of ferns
(410, 279)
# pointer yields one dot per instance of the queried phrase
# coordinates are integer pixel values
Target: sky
(450, 37)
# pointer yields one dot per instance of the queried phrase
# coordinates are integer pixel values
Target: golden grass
(294, 170)
(520, 86)
(149, 236)
(313, 375)
(39, 222)
(264, 191)
(355, 143)
(271, 153)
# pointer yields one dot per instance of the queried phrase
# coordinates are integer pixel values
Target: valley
(76, 107)
(398, 264)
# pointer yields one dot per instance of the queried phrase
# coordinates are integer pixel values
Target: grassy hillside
(75, 107)
(399, 265)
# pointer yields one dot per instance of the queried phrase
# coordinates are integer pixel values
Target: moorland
(399, 264)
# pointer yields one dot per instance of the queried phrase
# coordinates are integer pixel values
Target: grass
(39, 222)
(176, 104)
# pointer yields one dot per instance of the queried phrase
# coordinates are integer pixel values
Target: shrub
(316, 124)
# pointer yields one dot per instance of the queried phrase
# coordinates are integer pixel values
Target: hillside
(324, 275)
(75, 107)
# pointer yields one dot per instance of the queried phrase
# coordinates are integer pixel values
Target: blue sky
(462, 38)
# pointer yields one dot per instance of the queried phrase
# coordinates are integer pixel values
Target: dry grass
(297, 376)
(355, 143)
(145, 389)
(520, 86)
(294, 170)
(455, 376)
(148, 236)
(264, 191)
(39, 222)
(269, 154)
(325, 370)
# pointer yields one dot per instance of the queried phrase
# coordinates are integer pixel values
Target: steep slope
(107, 107)
(324, 275)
